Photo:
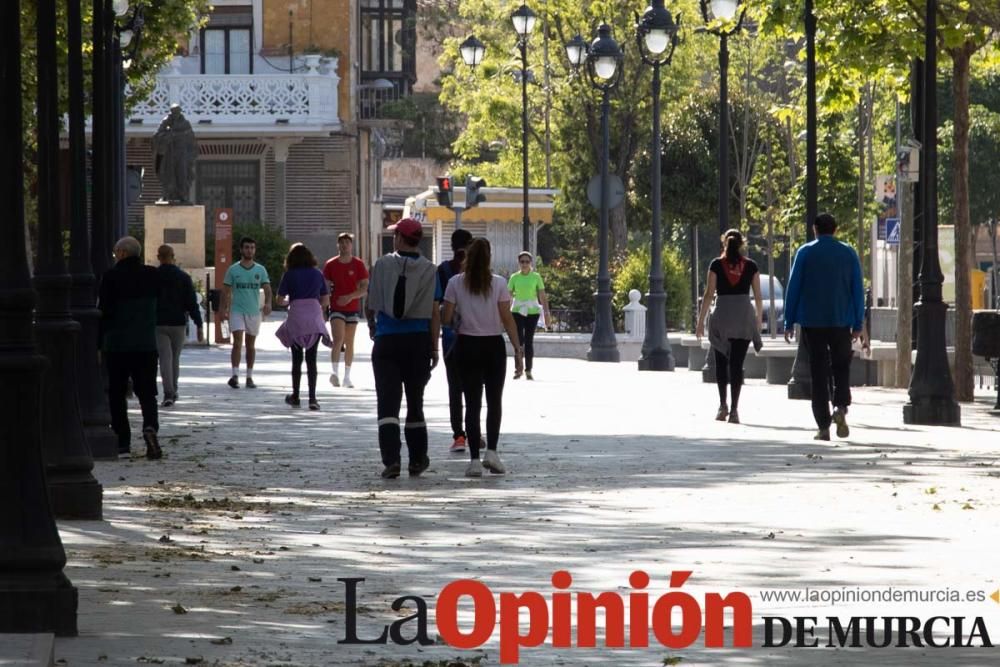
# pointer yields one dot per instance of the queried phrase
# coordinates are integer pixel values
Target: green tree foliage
(633, 273)
(984, 149)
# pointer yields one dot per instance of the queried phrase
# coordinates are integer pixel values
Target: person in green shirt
(528, 303)
(241, 306)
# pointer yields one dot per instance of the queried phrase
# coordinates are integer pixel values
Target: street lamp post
(656, 34)
(122, 36)
(800, 384)
(35, 595)
(932, 393)
(524, 21)
(721, 13)
(73, 491)
(94, 410)
(603, 62)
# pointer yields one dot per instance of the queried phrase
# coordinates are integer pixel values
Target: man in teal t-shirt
(527, 290)
(241, 306)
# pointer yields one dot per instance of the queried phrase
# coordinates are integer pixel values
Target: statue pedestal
(180, 226)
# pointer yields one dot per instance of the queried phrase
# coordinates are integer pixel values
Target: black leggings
(730, 370)
(526, 325)
(482, 363)
(311, 372)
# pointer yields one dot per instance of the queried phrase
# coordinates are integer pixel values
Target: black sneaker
(153, 451)
(391, 472)
(292, 400)
(822, 434)
(250, 384)
(234, 382)
(167, 402)
(313, 404)
(416, 469)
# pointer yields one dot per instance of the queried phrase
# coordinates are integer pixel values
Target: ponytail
(732, 243)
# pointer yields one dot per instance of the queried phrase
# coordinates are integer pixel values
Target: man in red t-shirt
(348, 280)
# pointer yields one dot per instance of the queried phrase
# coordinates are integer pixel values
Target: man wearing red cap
(404, 322)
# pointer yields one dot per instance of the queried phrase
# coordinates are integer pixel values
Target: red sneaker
(458, 445)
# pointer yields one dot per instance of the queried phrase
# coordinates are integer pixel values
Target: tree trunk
(964, 381)
(619, 229)
(904, 289)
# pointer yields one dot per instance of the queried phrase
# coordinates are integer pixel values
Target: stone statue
(176, 149)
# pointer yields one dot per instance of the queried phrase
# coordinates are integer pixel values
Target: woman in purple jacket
(303, 289)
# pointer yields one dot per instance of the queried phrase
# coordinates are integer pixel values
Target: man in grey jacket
(404, 322)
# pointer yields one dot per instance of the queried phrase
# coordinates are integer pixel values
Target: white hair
(129, 245)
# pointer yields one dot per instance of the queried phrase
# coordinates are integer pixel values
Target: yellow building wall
(322, 23)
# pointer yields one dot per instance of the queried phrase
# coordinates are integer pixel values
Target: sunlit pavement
(228, 550)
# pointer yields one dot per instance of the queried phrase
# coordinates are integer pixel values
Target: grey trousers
(169, 343)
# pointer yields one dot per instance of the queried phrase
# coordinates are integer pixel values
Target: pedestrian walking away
(347, 278)
(529, 304)
(304, 291)
(177, 301)
(404, 322)
(734, 322)
(460, 239)
(127, 300)
(825, 297)
(241, 306)
(482, 302)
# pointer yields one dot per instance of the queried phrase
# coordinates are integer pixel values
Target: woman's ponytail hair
(732, 244)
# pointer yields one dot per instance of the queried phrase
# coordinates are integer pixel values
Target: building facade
(275, 91)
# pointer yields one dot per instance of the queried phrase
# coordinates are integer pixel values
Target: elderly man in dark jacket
(128, 297)
(177, 301)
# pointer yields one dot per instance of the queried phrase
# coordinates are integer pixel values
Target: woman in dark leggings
(482, 303)
(529, 302)
(304, 290)
(734, 322)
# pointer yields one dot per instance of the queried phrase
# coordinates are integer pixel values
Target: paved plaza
(228, 551)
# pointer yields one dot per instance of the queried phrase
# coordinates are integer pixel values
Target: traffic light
(473, 196)
(444, 191)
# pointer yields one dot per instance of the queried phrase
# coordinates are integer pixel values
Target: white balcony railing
(236, 100)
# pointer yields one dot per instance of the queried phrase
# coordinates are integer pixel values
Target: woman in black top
(734, 322)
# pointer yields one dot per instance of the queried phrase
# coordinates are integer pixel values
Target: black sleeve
(106, 304)
(191, 300)
(716, 268)
(752, 268)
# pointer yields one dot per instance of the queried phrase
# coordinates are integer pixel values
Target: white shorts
(244, 322)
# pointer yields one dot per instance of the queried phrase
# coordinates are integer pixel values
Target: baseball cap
(409, 228)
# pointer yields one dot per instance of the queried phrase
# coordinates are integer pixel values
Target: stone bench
(778, 361)
(696, 355)
(679, 351)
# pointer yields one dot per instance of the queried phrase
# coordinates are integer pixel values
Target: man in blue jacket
(825, 296)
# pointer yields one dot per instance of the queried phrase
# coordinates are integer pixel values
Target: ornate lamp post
(73, 491)
(94, 410)
(524, 21)
(656, 34)
(35, 595)
(603, 63)
(800, 384)
(720, 14)
(723, 12)
(932, 393)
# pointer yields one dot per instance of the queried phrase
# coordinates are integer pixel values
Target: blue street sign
(892, 231)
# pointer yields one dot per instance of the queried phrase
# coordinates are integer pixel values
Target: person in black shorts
(735, 322)
(348, 280)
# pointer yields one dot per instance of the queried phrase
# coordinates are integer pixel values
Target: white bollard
(635, 317)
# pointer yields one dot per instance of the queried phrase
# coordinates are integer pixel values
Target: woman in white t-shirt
(477, 306)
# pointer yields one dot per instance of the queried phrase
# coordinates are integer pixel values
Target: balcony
(274, 103)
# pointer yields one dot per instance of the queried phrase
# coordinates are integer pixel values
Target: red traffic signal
(444, 191)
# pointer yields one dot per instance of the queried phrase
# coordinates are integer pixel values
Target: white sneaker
(334, 380)
(492, 462)
(474, 469)
(347, 383)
